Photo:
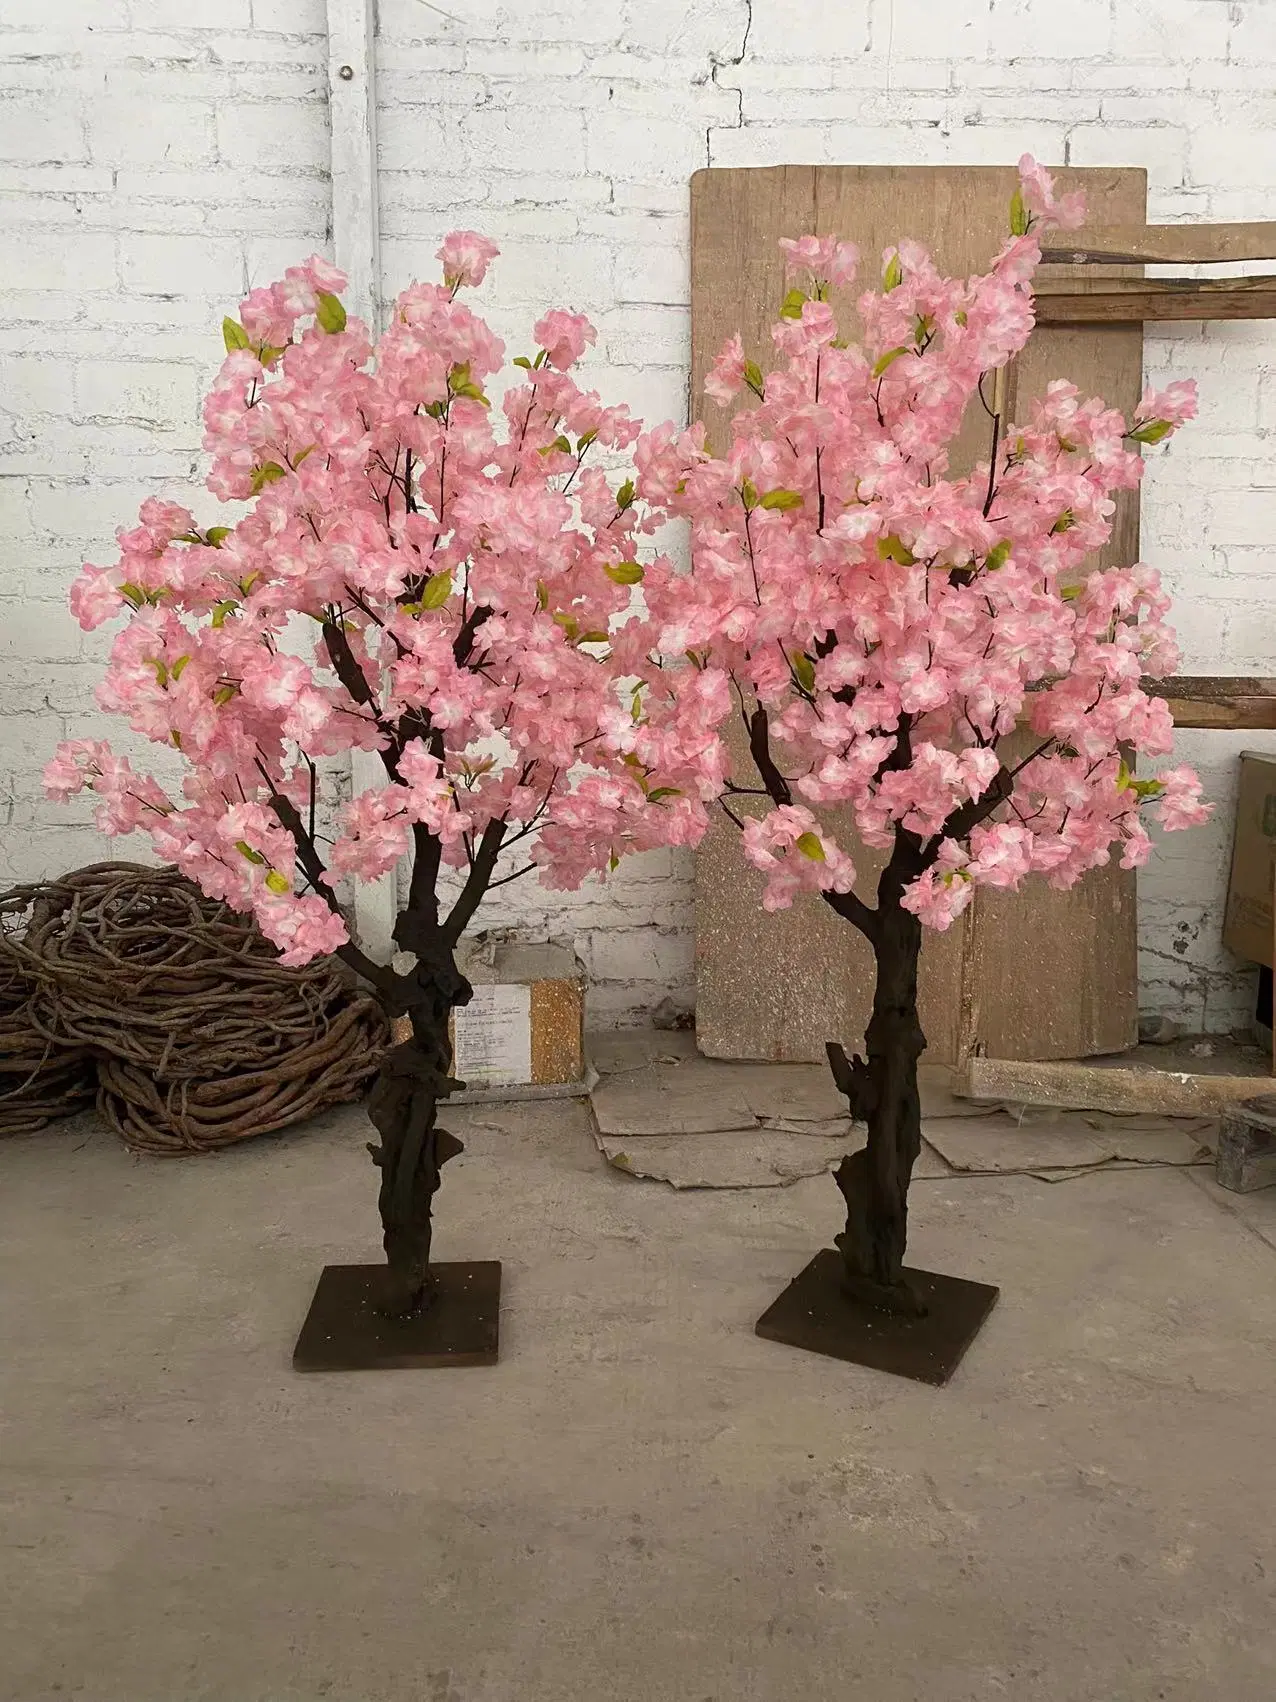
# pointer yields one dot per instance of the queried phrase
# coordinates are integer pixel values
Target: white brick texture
(158, 155)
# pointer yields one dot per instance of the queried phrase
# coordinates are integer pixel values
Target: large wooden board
(1032, 975)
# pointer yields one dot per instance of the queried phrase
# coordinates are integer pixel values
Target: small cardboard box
(1249, 925)
(525, 1025)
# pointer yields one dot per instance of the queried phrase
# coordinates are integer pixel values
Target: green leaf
(1124, 777)
(234, 336)
(625, 573)
(298, 459)
(960, 318)
(883, 361)
(216, 534)
(803, 669)
(998, 555)
(522, 360)
(1151, 431)
(438, 588)
(161, 672)
(635, 704)
(269, 354)
(134, 593)
(893, 548)
(753, 376)
(270, 474)
(1147, 789)
(569, 623)
(275, 882)
(1070, 593)
(749, 494)
(893, 276)
(246, 850)
(225, 607)
(594, 638)
(176, 671)
(1019, 219)
(625, 495)
(561, 443)
(659, 792)
(781, 499)
(1066, 521)
(223, 694)
(472, 393)
(176, 737)
(809, 845)
(542, 595)
(793, 303)
(613, 863)
(329, 312)
(436, 410)
(583, 442)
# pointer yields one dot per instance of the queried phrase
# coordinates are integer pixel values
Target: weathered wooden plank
(1165, 245)
(1096, 1087)
(1127, 301)
(1209, 702)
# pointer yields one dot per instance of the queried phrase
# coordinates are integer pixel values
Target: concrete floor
(643, 1502)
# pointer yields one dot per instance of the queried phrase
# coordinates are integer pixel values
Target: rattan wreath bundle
(202, 1038)
(39, 1079)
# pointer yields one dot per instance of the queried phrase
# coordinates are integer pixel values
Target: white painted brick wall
(157, 154)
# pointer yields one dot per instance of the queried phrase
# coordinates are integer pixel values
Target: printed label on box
(494, 1037)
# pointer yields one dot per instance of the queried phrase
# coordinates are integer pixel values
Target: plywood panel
(1029, 975)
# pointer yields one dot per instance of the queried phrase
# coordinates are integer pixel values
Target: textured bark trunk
(883, 1092)
(403, 1108)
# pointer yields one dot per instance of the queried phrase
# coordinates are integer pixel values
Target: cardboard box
(1250, 921)
(525, 1025)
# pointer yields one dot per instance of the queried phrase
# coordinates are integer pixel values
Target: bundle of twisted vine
(198, 1035)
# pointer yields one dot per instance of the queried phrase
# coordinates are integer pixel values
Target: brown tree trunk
(883, 1092)
(403, 1107)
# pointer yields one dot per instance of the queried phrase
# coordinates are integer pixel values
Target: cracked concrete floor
(643, 1502)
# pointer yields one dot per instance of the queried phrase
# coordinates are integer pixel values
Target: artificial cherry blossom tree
(881, 627)
(462, 587)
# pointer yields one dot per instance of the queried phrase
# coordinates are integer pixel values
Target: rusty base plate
(344, 1331)
(815, 1313)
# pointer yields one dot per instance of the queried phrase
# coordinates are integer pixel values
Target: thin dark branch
(476, 885)
(760, 749)
(377, 975)
(463, 646)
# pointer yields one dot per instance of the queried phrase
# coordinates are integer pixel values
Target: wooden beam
(1115, 1088)
(352, 109)
(1221, 703)
(1166, 245)
(1122, 301)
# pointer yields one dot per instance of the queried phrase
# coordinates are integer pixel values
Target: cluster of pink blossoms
(468, 593)
(930, 652)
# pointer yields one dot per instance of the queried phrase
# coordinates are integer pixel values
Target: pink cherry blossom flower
(1176, 404)
(564, 337)
(466, 257)
(1067, 212)
(824, 257)
(725, 379)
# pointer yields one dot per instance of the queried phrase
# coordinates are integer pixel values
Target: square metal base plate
(814, 1312)
(344, 1331)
